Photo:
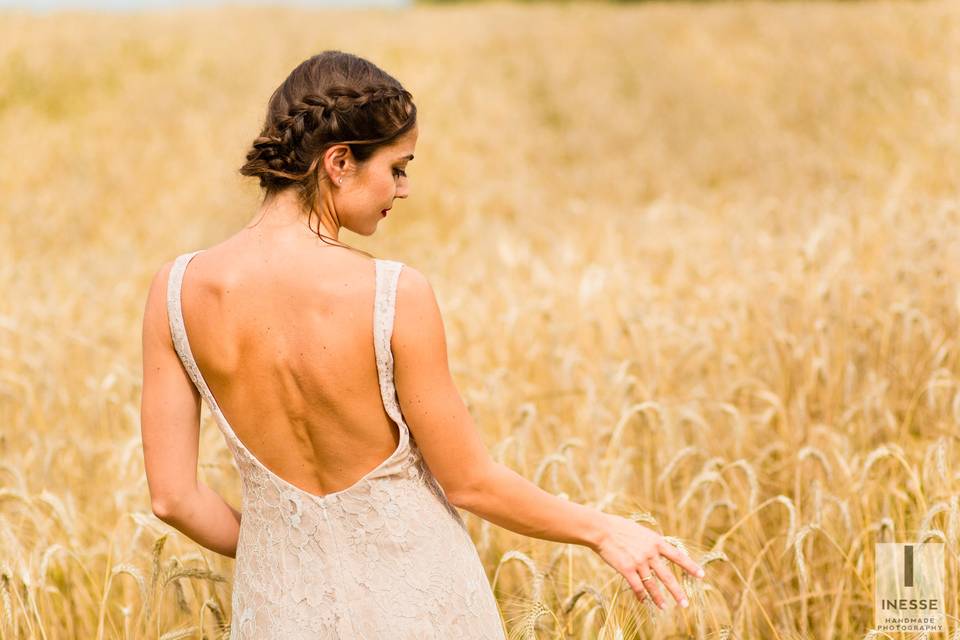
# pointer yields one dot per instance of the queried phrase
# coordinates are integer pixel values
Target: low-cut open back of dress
(387, 557)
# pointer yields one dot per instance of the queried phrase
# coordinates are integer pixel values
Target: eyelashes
(399, 172)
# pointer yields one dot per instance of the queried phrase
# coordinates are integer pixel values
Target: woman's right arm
(446, 435)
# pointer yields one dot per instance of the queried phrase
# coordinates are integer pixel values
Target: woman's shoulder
(411, 280)
(415, 292)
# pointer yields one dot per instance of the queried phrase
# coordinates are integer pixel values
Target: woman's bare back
(285, 342)
(386, 557)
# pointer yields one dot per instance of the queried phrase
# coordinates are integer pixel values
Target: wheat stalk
(704, 477)
(751, 481)
(582, 590)
(176, 634)
(671, 466)
(6, 619)
(528, 626)
(219, 618)
(810, 451)
(133, 572)
(155, 574)
(187, 572)
(708, 511)
(536, 575)
(617, 433)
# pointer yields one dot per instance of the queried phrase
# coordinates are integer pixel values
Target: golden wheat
(716, 243)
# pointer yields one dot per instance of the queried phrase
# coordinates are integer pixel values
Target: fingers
(670, 552)
(636, 584)
(650, 585)
(667, 578)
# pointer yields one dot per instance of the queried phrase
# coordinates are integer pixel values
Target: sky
(44, 6)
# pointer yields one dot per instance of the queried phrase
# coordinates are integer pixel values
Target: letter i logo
(908, 565)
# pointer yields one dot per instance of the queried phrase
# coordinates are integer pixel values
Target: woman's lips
(384, 211)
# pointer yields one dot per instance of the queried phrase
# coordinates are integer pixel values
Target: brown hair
(330, 98)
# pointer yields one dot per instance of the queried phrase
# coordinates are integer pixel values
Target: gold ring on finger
(649, 577)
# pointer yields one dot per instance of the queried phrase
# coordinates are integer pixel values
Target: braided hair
(330, 98)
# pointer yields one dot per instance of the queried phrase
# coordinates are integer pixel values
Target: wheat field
(698, 265)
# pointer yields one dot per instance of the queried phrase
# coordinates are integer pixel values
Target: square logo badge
(910, 585)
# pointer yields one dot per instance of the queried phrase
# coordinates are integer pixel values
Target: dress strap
(175, 317)
(387, 275)
(181, 343)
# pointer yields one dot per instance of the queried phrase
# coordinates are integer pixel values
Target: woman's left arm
(170, 429)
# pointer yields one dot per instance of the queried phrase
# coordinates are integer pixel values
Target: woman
(353, 444)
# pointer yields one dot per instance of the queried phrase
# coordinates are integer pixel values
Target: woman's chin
(366, 230)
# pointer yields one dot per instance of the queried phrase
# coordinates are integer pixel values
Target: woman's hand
(635, 552)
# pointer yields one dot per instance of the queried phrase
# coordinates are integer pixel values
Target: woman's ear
(336, 162)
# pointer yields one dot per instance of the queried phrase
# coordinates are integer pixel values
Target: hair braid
(330, 98)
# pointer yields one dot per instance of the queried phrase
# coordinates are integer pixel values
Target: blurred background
(698, 265)
(43, 6)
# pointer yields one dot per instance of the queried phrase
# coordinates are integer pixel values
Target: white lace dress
(388, 557)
